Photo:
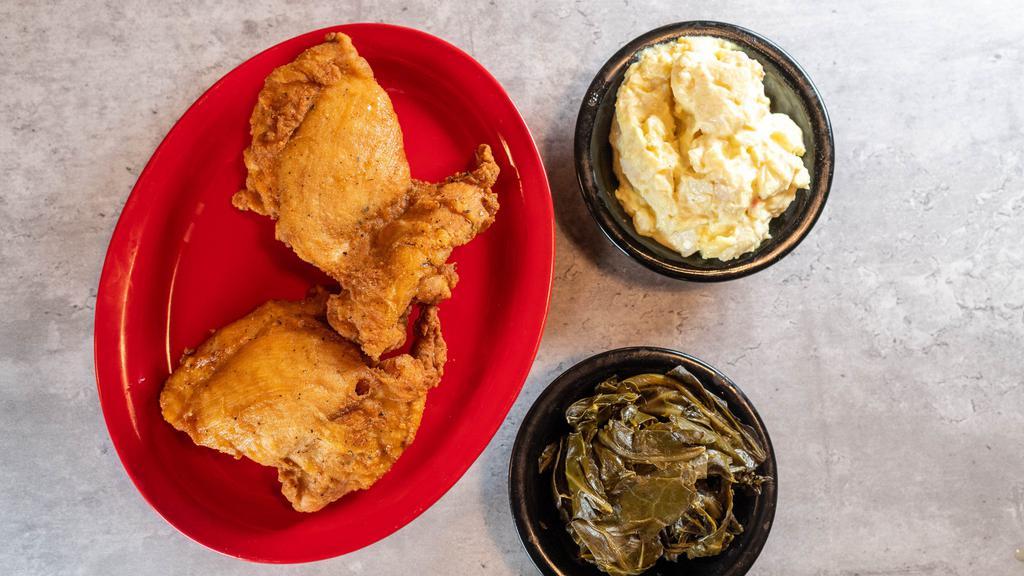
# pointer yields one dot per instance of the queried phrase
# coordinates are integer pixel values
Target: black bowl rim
(564, 384)
(794, 74)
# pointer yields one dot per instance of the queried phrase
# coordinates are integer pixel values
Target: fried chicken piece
(326, 150)
(327, 163)
(405, 260)
(281, 388)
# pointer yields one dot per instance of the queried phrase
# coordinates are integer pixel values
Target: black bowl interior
(791, 92)
(542, 531)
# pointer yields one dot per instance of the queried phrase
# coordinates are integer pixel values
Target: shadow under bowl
(790, 91)
(542, 531)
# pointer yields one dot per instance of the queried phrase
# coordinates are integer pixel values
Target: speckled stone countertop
(886, 354)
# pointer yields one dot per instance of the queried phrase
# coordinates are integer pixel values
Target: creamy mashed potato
(703, 164)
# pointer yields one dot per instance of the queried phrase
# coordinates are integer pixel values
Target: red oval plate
(182, 261)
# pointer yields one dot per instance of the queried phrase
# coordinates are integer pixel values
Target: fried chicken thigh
(281, 388)
(327, 162)
(326, 151)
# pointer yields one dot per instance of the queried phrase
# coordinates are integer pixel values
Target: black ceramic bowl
(544, 534)
(790, 91)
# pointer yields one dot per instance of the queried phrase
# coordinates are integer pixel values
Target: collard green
(648, 470)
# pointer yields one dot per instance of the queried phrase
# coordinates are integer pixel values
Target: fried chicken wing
(281, 388)
(405, 260)
(327, 162)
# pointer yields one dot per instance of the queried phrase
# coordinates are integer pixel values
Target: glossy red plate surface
(182, 261)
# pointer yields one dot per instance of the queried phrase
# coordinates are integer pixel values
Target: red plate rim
(108, 319)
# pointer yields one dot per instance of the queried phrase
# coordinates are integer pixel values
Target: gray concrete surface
(885, 353)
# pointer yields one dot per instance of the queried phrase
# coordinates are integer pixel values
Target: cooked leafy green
(648, 471)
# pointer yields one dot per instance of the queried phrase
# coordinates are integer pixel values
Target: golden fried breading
(327, 162)
(281, 388)
(405, 260)
(326, 150)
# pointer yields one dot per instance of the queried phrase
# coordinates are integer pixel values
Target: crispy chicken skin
(281, 388)
(405, 259)
(326, 150)
(327, 162)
